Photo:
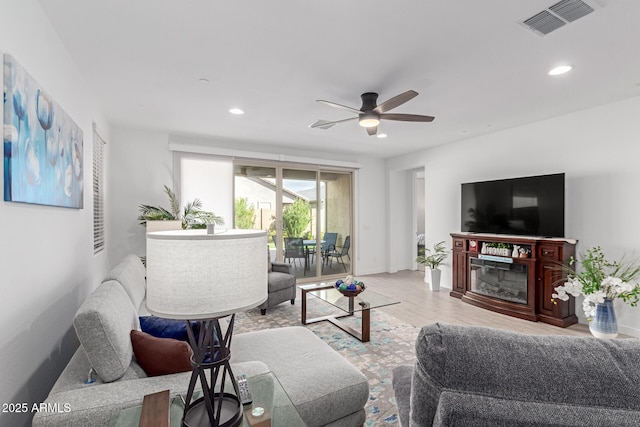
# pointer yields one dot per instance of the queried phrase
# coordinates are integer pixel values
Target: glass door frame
(318, 169)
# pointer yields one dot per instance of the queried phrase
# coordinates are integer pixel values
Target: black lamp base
(210, 363)
(230, 412)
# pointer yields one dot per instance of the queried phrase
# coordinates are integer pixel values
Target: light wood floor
(420, 306)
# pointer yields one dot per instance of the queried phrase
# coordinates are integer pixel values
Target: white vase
(432, 277)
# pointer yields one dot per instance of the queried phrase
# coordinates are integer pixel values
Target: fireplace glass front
(505, 281)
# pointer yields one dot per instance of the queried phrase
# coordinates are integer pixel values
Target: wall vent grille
(556, 16)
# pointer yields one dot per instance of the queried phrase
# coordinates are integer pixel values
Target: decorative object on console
(601, 281)
(516, 251)
(43, 146)
(349, 287)
(192, 275)
(433, 258)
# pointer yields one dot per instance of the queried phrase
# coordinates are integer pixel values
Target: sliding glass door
(307, 212)
(336, 222)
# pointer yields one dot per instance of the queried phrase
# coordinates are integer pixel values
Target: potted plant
(601, 281)
(432, 259)
(192, 216)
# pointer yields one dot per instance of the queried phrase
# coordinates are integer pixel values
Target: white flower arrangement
(599, 280)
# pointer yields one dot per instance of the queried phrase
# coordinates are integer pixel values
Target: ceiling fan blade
(325, 124)
(396, 101)
(407, 117)
(372, 130)
(344, 107)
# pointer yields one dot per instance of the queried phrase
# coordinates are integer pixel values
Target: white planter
(167, 225)
(432, 277)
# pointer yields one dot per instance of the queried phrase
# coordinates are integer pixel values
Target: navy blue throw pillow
(167, 328)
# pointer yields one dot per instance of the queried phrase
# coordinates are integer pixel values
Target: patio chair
(293, 249)
(329, 245)
(344, 251)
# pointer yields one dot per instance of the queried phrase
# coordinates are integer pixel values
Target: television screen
(532, 206)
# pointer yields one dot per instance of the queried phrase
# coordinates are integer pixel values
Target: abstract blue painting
(43, 157)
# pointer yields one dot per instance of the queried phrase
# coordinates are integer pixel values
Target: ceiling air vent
(570, 10)
(556, 16)
(544, 22)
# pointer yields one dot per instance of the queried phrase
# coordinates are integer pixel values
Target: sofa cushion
(321, 383)
(167, 328)
(131, 275)
(160, 356)
(401, 382)
(102, 324)
(507, 365)
(467, 410)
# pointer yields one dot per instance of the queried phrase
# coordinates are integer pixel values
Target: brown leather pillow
(160, 356)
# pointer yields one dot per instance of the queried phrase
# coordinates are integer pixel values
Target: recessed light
(560, 70)
(236, 111)
(382, 135)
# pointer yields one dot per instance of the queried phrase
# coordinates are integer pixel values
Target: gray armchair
(281, 286)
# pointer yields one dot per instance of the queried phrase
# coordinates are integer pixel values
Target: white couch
(325, 388)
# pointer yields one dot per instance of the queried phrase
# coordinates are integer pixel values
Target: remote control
(243, 388)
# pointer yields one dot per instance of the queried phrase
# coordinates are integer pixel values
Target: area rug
(392, 343)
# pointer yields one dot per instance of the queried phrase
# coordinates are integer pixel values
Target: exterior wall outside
(338, 206)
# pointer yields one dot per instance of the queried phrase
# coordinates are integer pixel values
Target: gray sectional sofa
(325, 388)
(475, 376)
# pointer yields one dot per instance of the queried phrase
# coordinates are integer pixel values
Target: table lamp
(192, 275)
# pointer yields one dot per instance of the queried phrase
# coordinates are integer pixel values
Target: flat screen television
(531, 206)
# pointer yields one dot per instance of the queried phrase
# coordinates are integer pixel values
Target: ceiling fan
(370, 114)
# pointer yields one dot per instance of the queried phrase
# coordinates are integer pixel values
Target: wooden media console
(513, 275)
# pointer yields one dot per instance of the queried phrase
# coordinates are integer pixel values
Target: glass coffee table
(362, 303)
(271, 406)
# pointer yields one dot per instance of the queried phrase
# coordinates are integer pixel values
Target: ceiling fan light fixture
(369, 120)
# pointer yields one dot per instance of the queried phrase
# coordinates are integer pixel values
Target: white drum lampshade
(194, 275)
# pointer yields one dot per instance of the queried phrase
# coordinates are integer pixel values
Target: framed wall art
(43, 147)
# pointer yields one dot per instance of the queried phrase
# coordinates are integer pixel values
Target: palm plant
(433, 257)
(192, 216)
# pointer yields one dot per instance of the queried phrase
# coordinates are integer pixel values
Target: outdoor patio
(305, 267)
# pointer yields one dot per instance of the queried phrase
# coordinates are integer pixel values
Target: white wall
(370, 217)
(46, 256)
(401, 249)
(597, 149)
(140, 166)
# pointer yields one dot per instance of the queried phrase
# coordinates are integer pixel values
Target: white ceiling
(476, 68)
